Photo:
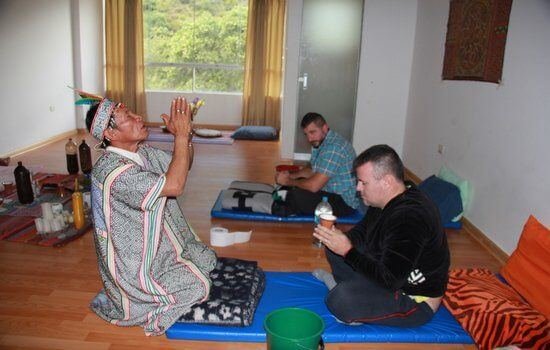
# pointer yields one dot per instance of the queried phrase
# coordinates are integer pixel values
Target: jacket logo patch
(416, 277)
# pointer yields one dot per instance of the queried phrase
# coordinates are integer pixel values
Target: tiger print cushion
(493, 313)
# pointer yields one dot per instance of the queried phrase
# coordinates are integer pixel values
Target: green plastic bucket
(293, 328)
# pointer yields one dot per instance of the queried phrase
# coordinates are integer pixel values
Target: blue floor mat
(218, 212)
(301, 289)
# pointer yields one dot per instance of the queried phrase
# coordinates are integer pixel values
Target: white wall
(385, 73)
(88, 51)
(36, 66)
(220, 108)
(496, 136)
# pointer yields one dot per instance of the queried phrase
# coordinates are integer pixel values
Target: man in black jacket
(392, 267)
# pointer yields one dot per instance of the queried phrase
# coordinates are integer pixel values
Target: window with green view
(194, 45)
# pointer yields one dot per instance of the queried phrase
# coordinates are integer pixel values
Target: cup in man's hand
(327, 220)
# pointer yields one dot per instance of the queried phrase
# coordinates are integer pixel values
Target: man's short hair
(384, 160)
(312, 117)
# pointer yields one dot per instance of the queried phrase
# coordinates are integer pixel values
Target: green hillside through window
(194, 45)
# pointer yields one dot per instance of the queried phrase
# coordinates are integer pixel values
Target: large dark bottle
(23, 184)
(85, 157)
(71, 151)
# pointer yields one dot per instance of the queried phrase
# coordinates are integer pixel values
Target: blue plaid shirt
(334, 158)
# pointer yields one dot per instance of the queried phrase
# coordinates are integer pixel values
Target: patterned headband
(101, 118)
(102, 115)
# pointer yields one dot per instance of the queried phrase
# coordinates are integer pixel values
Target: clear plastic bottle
(71, 151)
(78, 207)
(23, 184)
(85, 155)
(323, 207)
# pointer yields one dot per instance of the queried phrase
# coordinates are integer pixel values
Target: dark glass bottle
(85, 157)
(71, 151)
(23, 184)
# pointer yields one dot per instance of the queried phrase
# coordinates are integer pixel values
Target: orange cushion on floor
(493, 313)
(528, 269)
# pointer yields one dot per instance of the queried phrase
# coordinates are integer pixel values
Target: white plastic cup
(47, 212)
(39, 225)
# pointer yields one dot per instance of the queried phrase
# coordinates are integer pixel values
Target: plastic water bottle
(78, 207)
(323, 207)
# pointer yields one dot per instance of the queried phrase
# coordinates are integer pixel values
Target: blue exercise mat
(301, 289)
(218, 212)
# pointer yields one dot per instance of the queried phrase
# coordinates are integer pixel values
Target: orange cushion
(493, 313)
(528, 269)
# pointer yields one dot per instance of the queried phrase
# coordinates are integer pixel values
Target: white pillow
(208, 133)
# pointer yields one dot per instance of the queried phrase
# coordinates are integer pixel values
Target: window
(194, 45)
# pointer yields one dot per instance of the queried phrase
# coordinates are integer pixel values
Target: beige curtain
(264, 63)
(124, 53)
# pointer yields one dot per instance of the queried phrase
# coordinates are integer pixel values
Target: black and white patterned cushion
(237, 286)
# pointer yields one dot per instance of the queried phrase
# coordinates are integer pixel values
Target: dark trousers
(358, 299)
(303, 202)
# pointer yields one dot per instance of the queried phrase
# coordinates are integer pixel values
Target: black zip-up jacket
(403, 246)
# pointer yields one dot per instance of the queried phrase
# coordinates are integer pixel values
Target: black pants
(303, 202)
(358, 299)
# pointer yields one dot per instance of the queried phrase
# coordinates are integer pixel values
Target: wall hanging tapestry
(476, 38)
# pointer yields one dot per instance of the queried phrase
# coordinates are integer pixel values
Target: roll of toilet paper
(221, 237)
(242, 237)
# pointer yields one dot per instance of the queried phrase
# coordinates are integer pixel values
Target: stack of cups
(52, 218)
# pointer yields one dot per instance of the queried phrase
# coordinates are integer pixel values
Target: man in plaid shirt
(329, 173)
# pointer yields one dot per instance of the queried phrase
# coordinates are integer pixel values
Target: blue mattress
(218, 212)
(301, 289)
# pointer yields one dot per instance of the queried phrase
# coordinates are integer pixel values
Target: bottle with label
(85, 157)
(78, 207)
(323, 207)
(71, 150)
(23, 184)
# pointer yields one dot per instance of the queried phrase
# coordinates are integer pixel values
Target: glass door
(329, 64)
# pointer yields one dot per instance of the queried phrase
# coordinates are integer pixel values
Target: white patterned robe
(152, 265)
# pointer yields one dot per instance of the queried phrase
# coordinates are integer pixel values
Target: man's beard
(319, 143)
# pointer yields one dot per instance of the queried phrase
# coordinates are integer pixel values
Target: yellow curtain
(264, 63)
(124, 53)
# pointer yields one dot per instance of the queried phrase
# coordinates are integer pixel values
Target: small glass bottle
(85, 157)
(23, 184)
(71, 150)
